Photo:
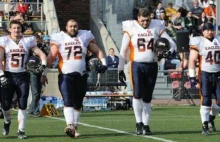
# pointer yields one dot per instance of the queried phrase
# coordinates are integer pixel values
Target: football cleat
(76, 133)
(205, 129)
(146, 130)
(70, 130)
(212, 126)
(139, 128)
(21, 135)
(6, 128)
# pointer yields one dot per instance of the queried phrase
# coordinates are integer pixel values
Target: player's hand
(44, 80)
(193, 82)
(5, 82)
(101, 69)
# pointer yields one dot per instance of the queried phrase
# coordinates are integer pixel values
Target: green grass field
(169, 124)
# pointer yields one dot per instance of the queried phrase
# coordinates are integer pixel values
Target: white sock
(146, 113)
(7, 116)
(214, 109)
(22, 116)
(77, 114)
(138, 108)
(68, 114)
(204, 113)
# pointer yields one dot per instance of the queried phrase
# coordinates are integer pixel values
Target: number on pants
(77, 52)
(17, 60)
(141, 44)
(209, 57)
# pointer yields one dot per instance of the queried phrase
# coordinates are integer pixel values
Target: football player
(206, 48)
(14, 51)
(139, 37)
(71, 48)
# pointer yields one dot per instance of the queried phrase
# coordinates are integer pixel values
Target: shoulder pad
(194, 41)
(127, 26)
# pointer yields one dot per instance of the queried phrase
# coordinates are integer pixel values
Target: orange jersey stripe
(194, 48)
(131, 51)
(60, 63)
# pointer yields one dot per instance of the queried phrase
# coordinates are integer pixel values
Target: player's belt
(146, 62)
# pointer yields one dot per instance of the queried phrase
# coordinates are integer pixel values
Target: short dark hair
(144, 12)
(15, 22)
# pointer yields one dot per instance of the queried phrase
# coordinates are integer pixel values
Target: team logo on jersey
(20, 45)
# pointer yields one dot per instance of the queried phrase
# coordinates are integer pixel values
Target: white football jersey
(142, 40)
(72, 50)
(16, 55)
(209, 52)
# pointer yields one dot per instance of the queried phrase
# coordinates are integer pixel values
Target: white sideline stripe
(115, 130)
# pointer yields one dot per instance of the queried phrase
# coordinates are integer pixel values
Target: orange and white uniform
(209, 53)
(72, 50)
(16, 55)
(141, 41)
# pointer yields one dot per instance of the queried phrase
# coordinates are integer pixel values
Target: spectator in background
(210, 11)
(190, 23)
(171, 31)
(36, 86)
(196, 11)
(159, 10)
(202, 20)
(170, 11)
(9, 8)
(22, 7)
(152, 16)
(112, 60)
(137, 5)
(163, 18)
(178, 21)
(186, 4)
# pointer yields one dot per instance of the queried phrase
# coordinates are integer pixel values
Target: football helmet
(93, 63)
(162, 44)
(33, 64)
(162, 47)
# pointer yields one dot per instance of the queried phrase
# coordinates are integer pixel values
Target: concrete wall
(112, 13)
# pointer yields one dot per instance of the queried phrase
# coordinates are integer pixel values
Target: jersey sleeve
(54, 39)
(2, 42)
(158, 25)
(194, 43)
(90, 37)
(33, 42)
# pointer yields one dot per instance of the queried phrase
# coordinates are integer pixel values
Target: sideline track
(115, 130)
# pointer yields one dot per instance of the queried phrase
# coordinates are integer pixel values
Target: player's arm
(192, 62)
(40, 54)
(172, 43)
(97, 51)
(124, 50)
(1, 61)
(52, 55)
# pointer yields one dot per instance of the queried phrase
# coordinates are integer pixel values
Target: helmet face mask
(32, 64)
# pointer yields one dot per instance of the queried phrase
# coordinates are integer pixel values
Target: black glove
(122, 76)
(101, 69)
(35, 69)
(193, 82)
(5, 82)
